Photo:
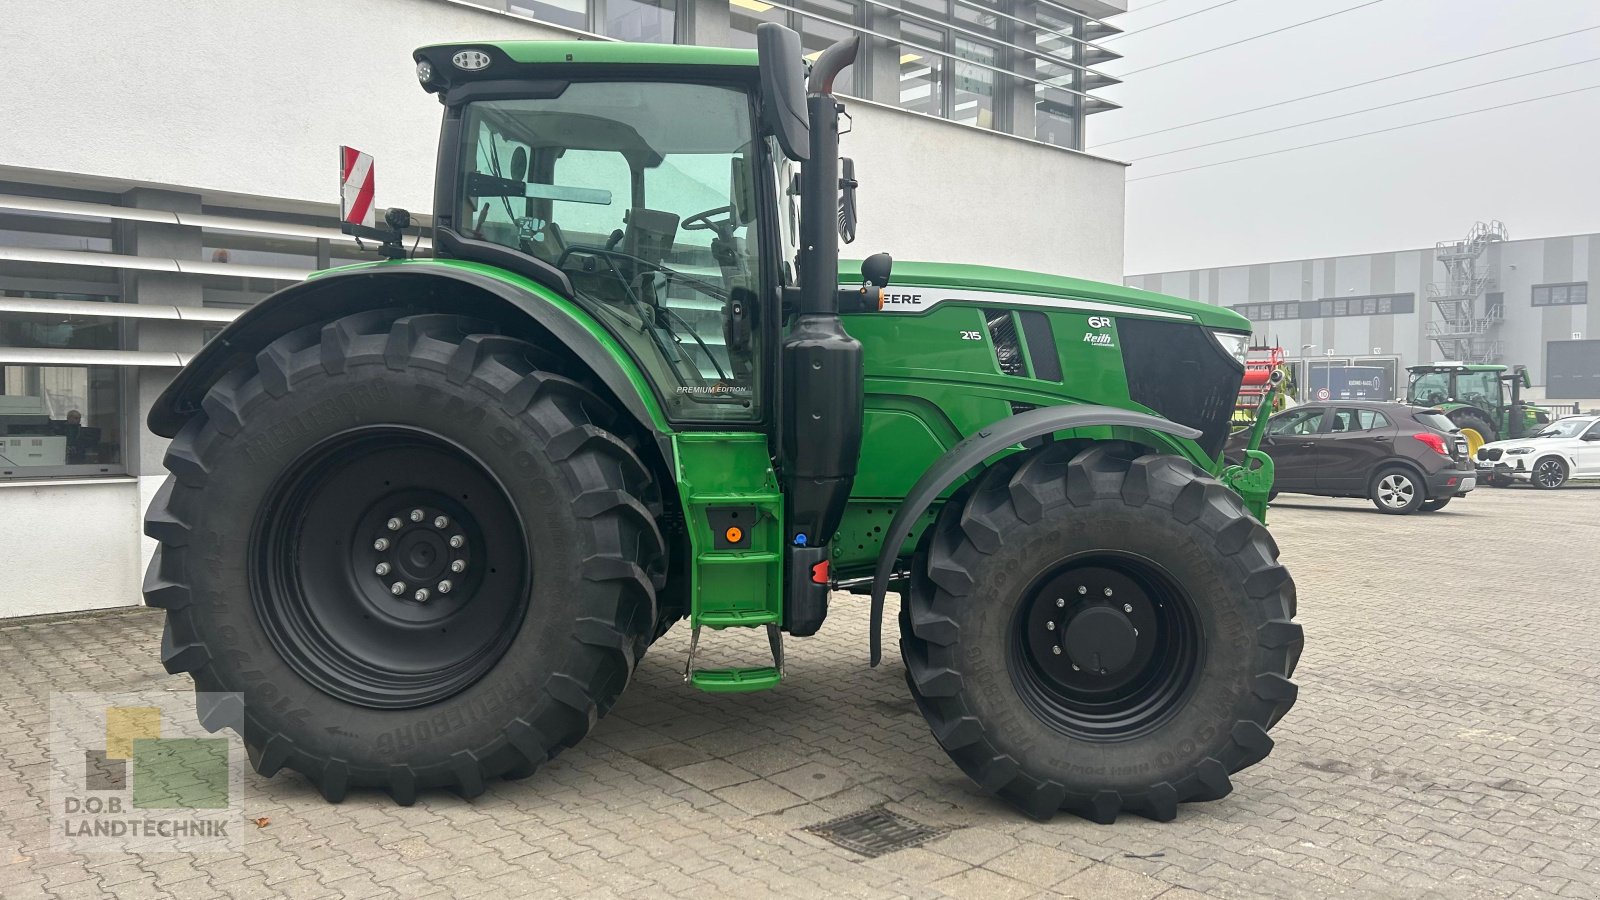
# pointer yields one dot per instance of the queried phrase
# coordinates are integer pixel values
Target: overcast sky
(1535, 166)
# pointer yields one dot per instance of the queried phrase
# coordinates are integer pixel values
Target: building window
(649, 21)
(974, 85)
(569, 13)
(1571, 294)
(1056, 109)
(922, 71)
(60, 420)
(245, 248)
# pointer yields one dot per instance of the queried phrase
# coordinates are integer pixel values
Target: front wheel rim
(1105, 646)
(1549, 474)
(1396, 491)
(389, 568)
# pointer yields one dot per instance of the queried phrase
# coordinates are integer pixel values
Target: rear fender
(971, 452)
(521, 306)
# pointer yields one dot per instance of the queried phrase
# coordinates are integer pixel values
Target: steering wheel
(702, 221)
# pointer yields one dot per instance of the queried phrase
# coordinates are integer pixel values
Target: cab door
(1291, 441)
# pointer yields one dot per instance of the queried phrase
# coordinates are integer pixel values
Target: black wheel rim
(389, 568)
(1105, 646)
(1549, 474)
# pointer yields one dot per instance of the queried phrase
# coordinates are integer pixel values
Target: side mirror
(783, 89)
(847, 200)
(875, 270)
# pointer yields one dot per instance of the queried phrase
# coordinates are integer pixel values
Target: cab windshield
(1429, 388)
(643, 193)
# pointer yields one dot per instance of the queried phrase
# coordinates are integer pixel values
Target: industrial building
(1481, 297)
(161, 171)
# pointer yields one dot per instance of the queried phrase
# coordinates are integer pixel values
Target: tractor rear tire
(1475, 427)
(1138, 563)
(315, 509)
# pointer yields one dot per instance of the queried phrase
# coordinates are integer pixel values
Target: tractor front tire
(1475, 427)
(416, 557)
(1100, 630)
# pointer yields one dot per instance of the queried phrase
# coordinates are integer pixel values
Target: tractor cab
(1484, 401)
(588, 176)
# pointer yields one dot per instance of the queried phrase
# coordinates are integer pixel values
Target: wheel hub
(1101, 640)
(427, 553)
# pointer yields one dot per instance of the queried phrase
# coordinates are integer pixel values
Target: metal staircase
(1466, 328)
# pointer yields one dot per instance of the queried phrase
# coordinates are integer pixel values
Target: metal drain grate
(876, 831)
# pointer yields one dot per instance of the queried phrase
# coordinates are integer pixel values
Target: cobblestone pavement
(1446, 743)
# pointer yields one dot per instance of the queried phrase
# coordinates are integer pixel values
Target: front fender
(972, 451)
(468, 289)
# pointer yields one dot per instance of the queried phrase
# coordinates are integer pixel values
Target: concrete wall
(70, 545)
(234, 97)
(1518, 265)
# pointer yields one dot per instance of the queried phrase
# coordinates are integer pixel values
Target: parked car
(1403, 458)
(1566, 449)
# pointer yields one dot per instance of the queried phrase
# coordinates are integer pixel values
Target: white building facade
(168, 164)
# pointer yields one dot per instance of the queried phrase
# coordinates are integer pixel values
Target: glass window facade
(1007, 65)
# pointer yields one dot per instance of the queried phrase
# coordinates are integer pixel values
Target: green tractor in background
(425, 515)
(1484, 401)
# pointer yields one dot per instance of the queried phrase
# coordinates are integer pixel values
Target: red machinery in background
(1259, 365)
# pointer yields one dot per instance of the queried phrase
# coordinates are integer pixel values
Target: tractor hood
(1037, 284)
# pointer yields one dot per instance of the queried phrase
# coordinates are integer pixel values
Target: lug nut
(1050, 626)
(1060, 602)
(457, 541)
(1108, 592)
(440, 521)
(458, 566)
(421, 596)
(1082, 589)
(1057, 651)
(398, 588)
(416, 515)
(1127, 607)
(381, 544)
(394, 524)
(382, 569)
(1075, 668)
(444, 586)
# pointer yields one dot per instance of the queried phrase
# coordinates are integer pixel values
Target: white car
(1566, 449)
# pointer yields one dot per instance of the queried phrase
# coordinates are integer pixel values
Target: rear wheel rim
(1548, 474)
(1396, 491)
(1474, 440)
(389, 568)
(1105, 646)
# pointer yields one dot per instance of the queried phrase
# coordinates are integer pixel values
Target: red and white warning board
(355, 187)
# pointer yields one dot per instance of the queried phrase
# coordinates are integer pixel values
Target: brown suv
(1403, 458)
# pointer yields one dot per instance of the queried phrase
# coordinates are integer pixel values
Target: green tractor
(1484, 401)
(425, 516)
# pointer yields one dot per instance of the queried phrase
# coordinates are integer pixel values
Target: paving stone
(712, 774)
(1443, 746)
(982, 884)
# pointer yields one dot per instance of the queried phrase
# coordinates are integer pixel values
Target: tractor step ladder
(734, 509)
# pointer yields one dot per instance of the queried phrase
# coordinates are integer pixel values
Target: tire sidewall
(243, 473)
